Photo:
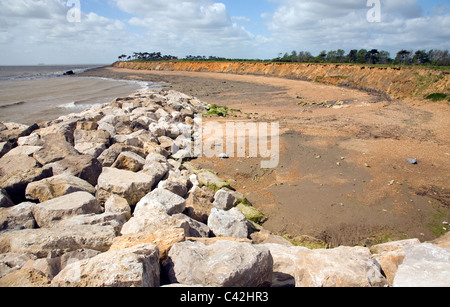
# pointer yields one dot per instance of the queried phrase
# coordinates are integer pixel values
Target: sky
(98, 31)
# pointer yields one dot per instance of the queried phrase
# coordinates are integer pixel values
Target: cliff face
(397, 83)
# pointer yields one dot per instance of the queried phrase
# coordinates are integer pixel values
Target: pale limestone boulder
(16, 217)
(51, 212)
(172, 202)
(424, 265)
(164, 239)
(131, 267)
(57, 186)
(223, 264)
(339, 267)
(12, 262)
(284, 264)
(230, 223)
(199, 203)
(117, 204)
(390, 255)
(151, 218)
(109, 156)
(224, 200)
(83, 166)
(55, 148)
(91, 142)
(129, 185)
(41, 242)
(129, 161)
(196, 229)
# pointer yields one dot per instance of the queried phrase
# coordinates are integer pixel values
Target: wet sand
(343, 175)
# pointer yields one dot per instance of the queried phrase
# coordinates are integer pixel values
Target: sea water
(34, 94)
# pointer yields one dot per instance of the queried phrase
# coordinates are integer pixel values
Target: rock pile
(104, 198)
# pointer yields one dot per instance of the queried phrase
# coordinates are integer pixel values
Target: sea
(35, 94)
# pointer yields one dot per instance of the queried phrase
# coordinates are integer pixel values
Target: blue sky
(38, 31)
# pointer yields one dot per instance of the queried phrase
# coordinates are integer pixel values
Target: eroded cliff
(397, 83)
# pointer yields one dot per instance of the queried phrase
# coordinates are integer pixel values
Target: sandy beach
(344, 175)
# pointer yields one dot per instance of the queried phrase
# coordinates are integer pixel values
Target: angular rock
(91, 142)
(109, 156)
(211, 180)
(57, 186)
(223, 264)
(41, 242)
(82, 166)
(5, 201)
(199, 204)
(340, 267)
(228, 223)
(223, 200)
(284, 264)
(11, 262)
(151, 218)
(196, 229)
(55, 148)
(176, 187)
(129, 185)
(50, 213)
(132, 267)
(129, 161)
(16, 184)
(164, 239)
(117, 204)
(172, 203)
(17, 217)
(424, 265)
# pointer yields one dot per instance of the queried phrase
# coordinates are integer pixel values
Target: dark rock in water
(69, 73)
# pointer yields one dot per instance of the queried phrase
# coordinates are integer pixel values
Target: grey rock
(425, 265)
(228, 223)
(223, 264)
(131, 267)
(50, 213)
(224, 200)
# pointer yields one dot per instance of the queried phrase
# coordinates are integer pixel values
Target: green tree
(362, 57)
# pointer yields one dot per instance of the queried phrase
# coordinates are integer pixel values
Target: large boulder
(223, 264)
(57, 186)
(424, 265)
(91, 142)
(55, 148)
(224, 200)
(230, 223)
(129, 161)
(59, 240)
(151, 218)
(199, 203)
(51, 212)
(172, 202)
(85, 167)
(132, 267)
(340, 267)
(164, 239)
(16, 217)
(129, 185)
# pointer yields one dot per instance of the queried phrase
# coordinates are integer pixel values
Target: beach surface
(343, 175)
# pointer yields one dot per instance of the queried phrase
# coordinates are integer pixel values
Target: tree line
(355, 56)
(373, 56)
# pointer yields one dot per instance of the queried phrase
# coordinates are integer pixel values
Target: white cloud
(320, 24)
(199, 27)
